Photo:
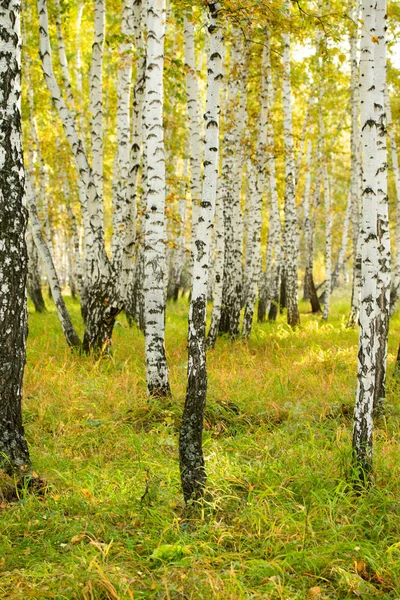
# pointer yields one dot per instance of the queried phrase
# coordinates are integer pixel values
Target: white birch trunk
(255, 247)
(195, 141)
(121, 207)
(328, 245)
(367, 347)
(96, 97)
(396, 173)
(193, 474)
(132, 246)
(155, 234)
(233, 159)
(70, 334)
(290, 225)
(355, 166)
(218, 268)
(384, 258)
(103, 302)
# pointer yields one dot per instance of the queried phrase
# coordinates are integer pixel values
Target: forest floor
(281, 520)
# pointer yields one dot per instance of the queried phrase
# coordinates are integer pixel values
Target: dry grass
(280, 520)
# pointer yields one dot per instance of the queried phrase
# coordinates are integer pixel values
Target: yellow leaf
(374, 39)
(86, 493)
(314, 591)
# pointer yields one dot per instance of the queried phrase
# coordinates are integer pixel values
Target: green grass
(280, 520)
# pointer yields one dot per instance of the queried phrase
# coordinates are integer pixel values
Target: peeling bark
(14, 454)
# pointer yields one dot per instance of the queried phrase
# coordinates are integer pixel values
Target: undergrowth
(280, 519)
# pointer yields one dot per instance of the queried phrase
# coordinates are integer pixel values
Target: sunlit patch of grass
(280, 519)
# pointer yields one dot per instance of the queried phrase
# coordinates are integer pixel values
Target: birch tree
(290, 223)
(155, 232)
(367, 346)
(384, 257)
(193, 475)
(103, 303)
(14, 454)
(232, 168)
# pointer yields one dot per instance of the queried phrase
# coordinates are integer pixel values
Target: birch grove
(207, 162)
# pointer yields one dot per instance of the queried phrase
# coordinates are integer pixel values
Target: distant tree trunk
(255, 195)
(309, 237)
(395, 291)
(195, 141)
(367, 348)
(96, 98)
(103, 303)
(343, 246)
(328, 245)
(155, 233)
(232, 166)
(70, 334)
(34, 281)
(290, 225)
(218, 269)
(355, 164)
(274, 277)
(132, 255)
(193, 475)
(14, 454)
(384, 258)
(121, 203)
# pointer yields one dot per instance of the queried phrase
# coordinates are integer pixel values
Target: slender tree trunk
(96, 98)
(354, 8)
(343, 246)
(195, 141)
(70, 334)
(218, 269)
(232, 165)
(395, 291)
(193, 475)
(384, 279)
(155, 233)
(255, 195)
(14, 454)
(290, 226)
(103, 303)
(121, 206)
(132, 258)
(328, 245)
(34, 281)
(367, 348)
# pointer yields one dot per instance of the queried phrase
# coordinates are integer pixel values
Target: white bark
(396, 175)
(290, 225)
(232, 166)
(121, 207)
(218, 268)
(383, 278)
(255, 194)
(103, 303)
(355, 166)
(367, 348)
(195, 141)
(132, 245)
(70, 334)
(155, 234)
(190, 442)
(96, 97)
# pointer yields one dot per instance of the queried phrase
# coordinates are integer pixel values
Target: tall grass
(280, 519)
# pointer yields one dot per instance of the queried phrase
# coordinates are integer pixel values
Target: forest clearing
(199, 291)
(281, 519)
